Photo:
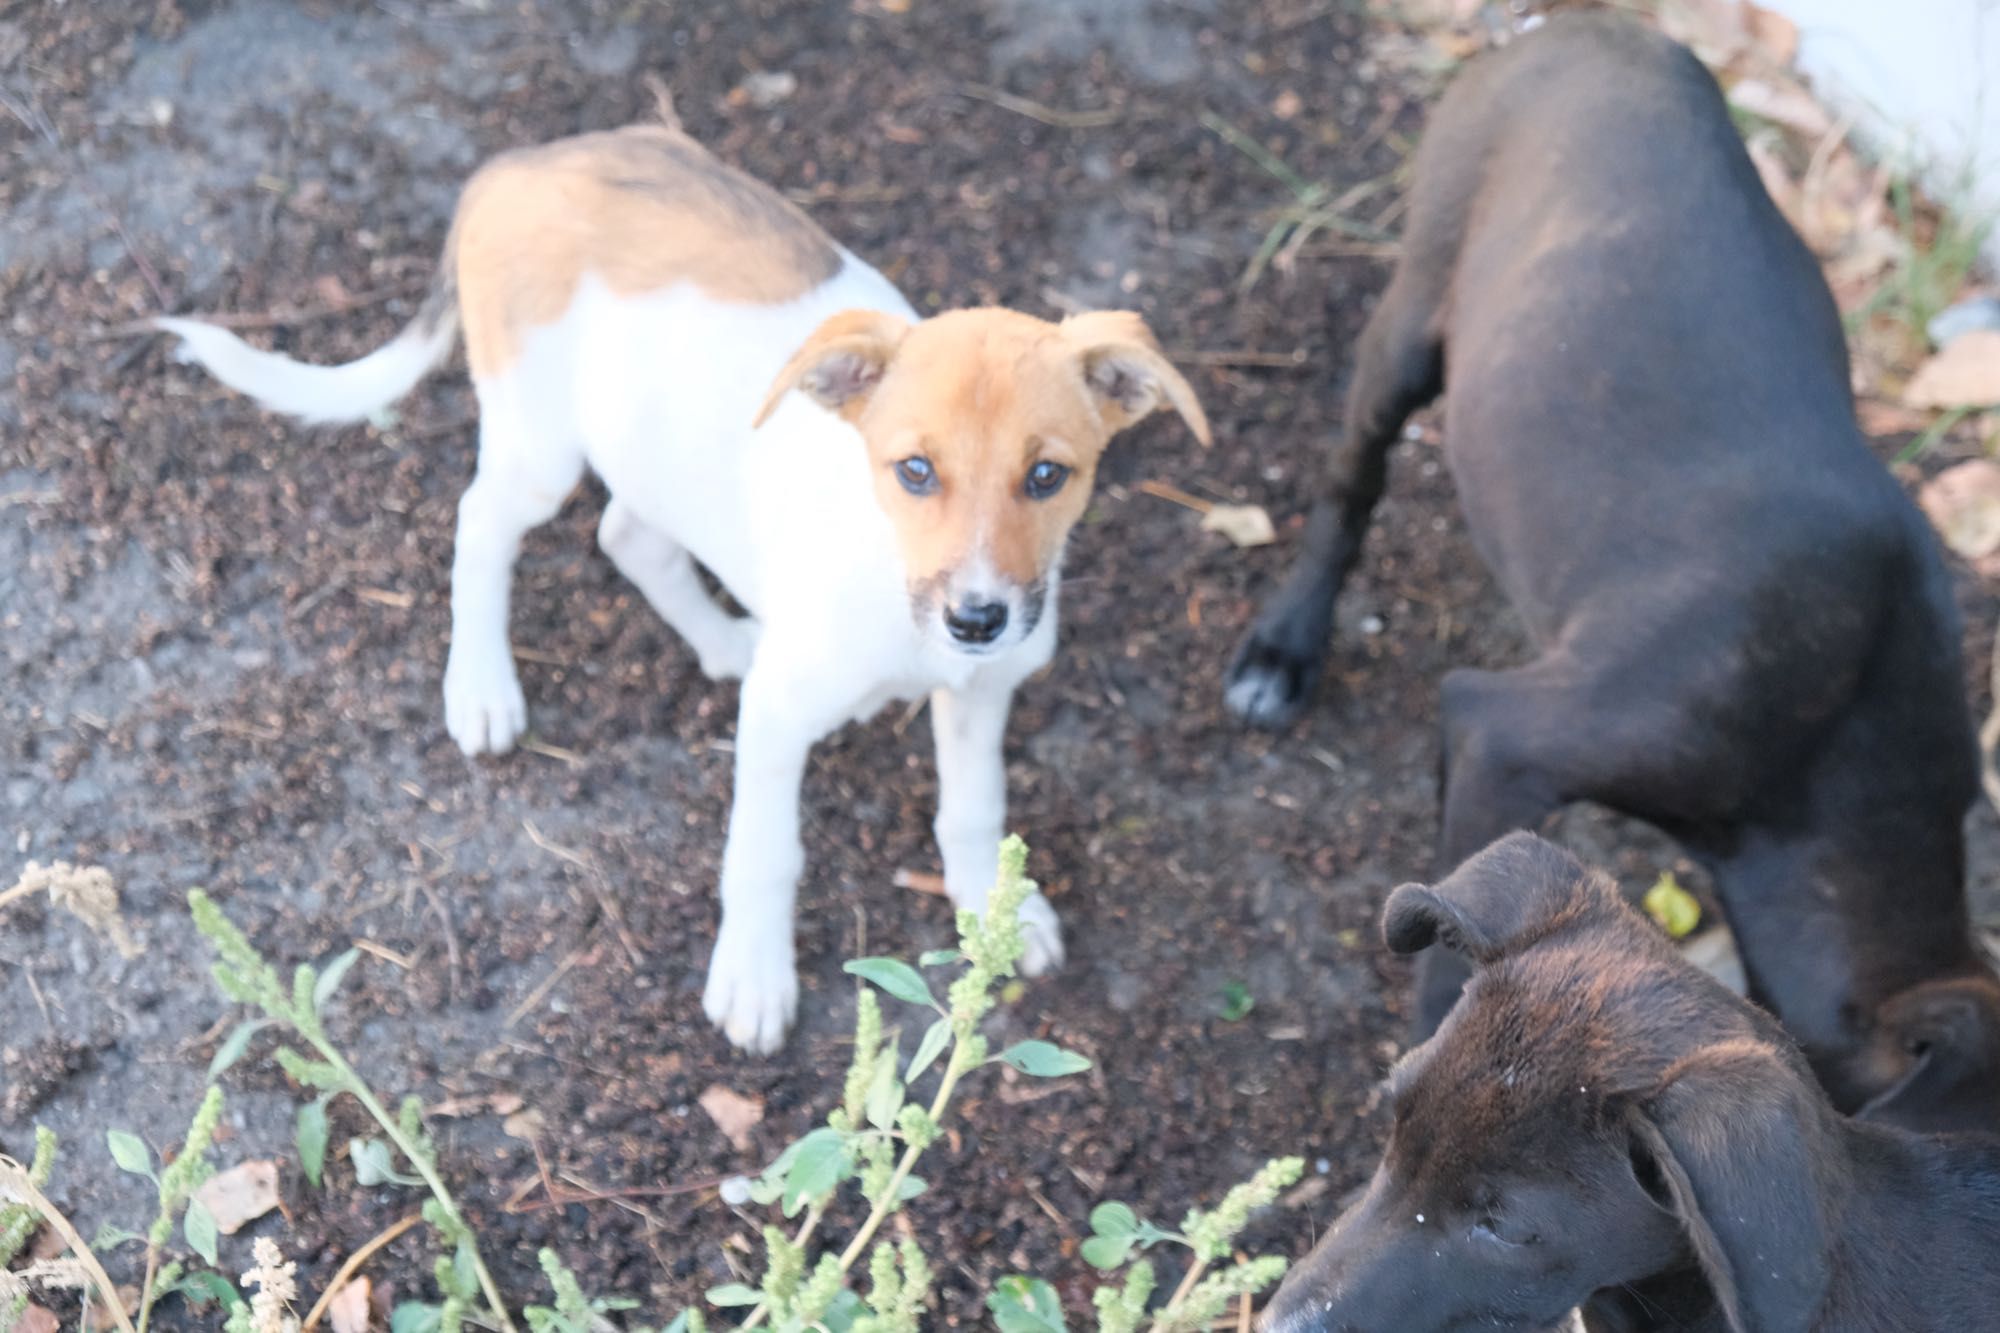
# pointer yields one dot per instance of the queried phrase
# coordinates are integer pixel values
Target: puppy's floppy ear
(1737, 1144)
(1937, 1046)
(1501, 899)
(1127, 374)
(840, 364)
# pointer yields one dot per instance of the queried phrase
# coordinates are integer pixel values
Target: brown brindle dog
(1599, 1123)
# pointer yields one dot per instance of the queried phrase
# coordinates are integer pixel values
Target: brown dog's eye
(1491, 1228)
(1045, 479)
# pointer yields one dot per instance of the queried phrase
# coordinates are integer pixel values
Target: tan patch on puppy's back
(641, 208)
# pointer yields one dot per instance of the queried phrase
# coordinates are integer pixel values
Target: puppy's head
(1594, 1112)
(1935, 1053)
(983, 430)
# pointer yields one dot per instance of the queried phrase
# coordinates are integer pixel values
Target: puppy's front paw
(753, 989)
(1042, 934)
(1269, 680)
(728, 658)
(484, 709)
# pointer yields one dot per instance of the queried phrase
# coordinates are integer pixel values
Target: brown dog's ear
(1126, 372)
(840, 364)
(1502, 898)
(1936, 1047)
(1737, 1144)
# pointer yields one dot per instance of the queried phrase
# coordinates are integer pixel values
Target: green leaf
(109, 1237)
(911, 1187)
(1677, 910)
(1113, 1219)
(825, 1158)
(232, 1049)
(415, 1317)
(734, 1293)
(938, 957)
(329, 980)
(201, 1230)
(374, 1164)
(465, 1268)
(894, 976)
(312, 1136)
(928, 1049)
(681, 1324)
(1026, 1305)
(1236, 1003)
(1043, 1059)
(1106, 1251)
(130, 1152)
(842, 1311)
(206, 1287)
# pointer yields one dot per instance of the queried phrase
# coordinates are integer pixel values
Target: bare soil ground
(223, 636)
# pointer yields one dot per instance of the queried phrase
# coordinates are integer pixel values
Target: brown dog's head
(983, 430)
(1594, 1112)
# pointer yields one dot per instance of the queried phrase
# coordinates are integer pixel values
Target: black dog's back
(1651, 424)
(1746, 632)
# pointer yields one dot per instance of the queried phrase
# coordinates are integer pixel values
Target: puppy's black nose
(976, 622)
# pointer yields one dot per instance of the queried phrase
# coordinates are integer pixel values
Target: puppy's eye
(1045, 479)
(1491, 1229)
(917, 475)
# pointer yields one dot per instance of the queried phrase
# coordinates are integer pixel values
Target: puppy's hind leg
(524, 476)
(663, 571)
(1400, 368)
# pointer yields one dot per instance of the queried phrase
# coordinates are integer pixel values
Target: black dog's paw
(1269, 680)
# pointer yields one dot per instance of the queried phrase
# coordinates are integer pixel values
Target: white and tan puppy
(888, 496)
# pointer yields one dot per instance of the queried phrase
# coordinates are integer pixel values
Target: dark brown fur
(1599, 1123)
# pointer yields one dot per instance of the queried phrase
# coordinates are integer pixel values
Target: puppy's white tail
(322, 394)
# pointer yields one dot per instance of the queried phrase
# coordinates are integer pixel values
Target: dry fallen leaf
(1718, 30)
(1777, 35)
(920, 881)
(1879, 418)
(497, 1103)
(526, 1125)
(1965, 374)
(1782, 102)
(348, 1311)
(241, 1194)
(1963, 502)
(733, 1113)
(1245, 525)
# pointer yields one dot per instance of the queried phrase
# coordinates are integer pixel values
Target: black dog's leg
(1399, 369)
(1503, 770)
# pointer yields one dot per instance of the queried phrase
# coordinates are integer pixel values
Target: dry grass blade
(1047, 115)
(353, 1265)
(14, 1184)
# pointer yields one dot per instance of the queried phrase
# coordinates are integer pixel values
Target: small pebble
(1371, 625)
(735, 1191)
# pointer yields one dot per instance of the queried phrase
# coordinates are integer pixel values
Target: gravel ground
(224, 636)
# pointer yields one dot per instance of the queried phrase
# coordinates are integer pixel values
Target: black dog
(1747, 634)
(1599, 1123)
